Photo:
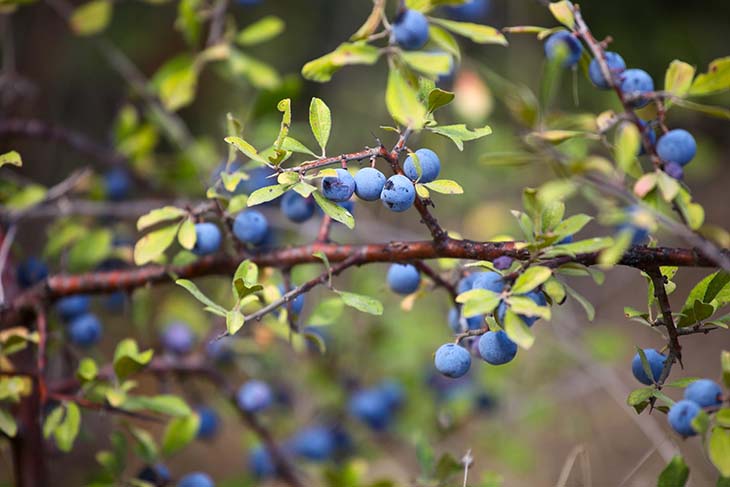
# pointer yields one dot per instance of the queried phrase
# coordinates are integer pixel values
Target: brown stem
(323, 235)
(660, 293)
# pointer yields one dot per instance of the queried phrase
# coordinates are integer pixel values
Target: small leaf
(517, 330)
(713, 111)
(167, 404)
(198, 294)
(266, 194)
(668, 186)
(481, 34)
(678, 78)
(128, 359)
(682, 383)
(284, 106)
(445, 186)
(326, 312)
(563, 13)
(587, 306)
(675, 474)
(12, 158)
(260, 31)
(179, 432)
(626, 147)
(402, 101)
(320, 120)
(637, 396)
(87, 369)
(718, 448)
(91, 18)
(90, 250)
(322, 69)
(334, 211)
(245, 148)
(293, 145)
(176, 81)
(366, 304)
(531, 278)
(7, 423)
(438, 98)
(234, 321)
(186, 235)
(431, 64)
(571, 225)
(159, 215)
(67, 430)
(459, 133)
(716, 80)
(476, 307)
(154, 244)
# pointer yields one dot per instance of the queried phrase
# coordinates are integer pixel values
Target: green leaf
(179, 432)
(159, 215)
(258, 73)
(681, 383)
(322, 69)
(722, 418)
(326, 312)
(431, 64)
(678, 78)
(267, 193)
(725, 363)
(186, 235)
(12, 158)
(675, 474)
(563, 13)
(334, 211)
(52, 421)
(571, 225)
(91, 18)
(188, 20)
(713, 111)
(481, 34)
(284, 106)
(145, 446)
(293, 145)
(718, 282)
(198, 294)
(245, 148)
(445, 186)
(611, 255)
(67, 430)
(7, 423)
(402, 101)
(626, 147)
(555, 290)
(87, 369)
(304, 189)
(587, 306)
(459, 133)
(716, 79)
(167, 404)
(476, 307)
(154, 244)
(234, 321)
(128, 359)
(474, 295)
(637, 396)
(176, 81)
(90, 250)
(527, 307)
(444, 40)
(260, 31)
(718, 448)
(366, 304)
(587, 246)
(28, 196)
(320, 120)
(438, 98)
(517, 330)
(668, 186)
(531, 278)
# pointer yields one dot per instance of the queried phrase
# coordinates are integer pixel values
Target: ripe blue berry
(340, 187)
(369, 183)
(469, 11)
(430, 166)
(656, 364)
(85, 330)
(705, 392)
(649, 130)
(296, 304)
(261, 463)
(196, 479)
(674, 170)
(315, 443)
(681, 415)
(117, 184)
(452, 360)
(410, 30)
(489, 280)
(677, 146)
(503, 262)
(208, 426)
(635, 82)
(496, 348)
(254, 396)
(251, 227)
(157, 474)
(398, 193)
(178, 339)
(472, 323)
(635, 224)
(371, 407)
(207, 238)
(466, 283)
(403, 278)
(616, 65)
(563, 43)
(73, 306)
(392, 392)
(296, 207)
(31, 271)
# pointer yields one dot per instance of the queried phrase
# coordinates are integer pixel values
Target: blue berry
(566, 240)
(398, 193)
(208, 426)
(496, 348)
(31, 271)
(410, 30)
(469, 11)
(315, 443)
(705, 392)
(369, 183)
(340, 187)
(656, 364)
(207, 239)
(466, 282)
(251, 227)
(157, 474)
(261, 463)
(677, 146)
(616, 65)
(297, 304)
(258, 177)
(452, 360)
(681, 415)
(649, 130)
(635, 82)
(430, 166)
(117, 184)
(85, 330)
(178, 338)
(674, 170)
(403, 278)
(72, 306)
(196, 479)
(249, 3)
(504, 262)
(220, 351)
(254, 396)
(296, 207)
(472, 323)
(371, 407)
(489, 280)
(563, 43)
(392, 392)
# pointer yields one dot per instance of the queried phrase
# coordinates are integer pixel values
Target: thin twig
(4, 253)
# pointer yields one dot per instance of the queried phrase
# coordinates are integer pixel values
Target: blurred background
(525, 423)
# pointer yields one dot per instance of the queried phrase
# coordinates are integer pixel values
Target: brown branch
(323, 235)
(660, 292)
(41, 325)
(329, 161)
(98, 406)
